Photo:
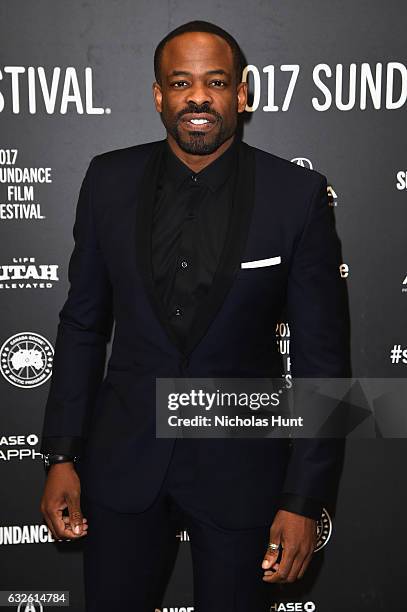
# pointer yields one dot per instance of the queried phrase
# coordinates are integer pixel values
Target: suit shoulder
(285, 168)
(121, 157)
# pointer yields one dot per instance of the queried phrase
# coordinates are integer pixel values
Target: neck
(197, 162)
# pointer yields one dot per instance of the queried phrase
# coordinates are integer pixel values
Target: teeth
(199, 121)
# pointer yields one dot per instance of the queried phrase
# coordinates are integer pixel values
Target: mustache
(204, 108)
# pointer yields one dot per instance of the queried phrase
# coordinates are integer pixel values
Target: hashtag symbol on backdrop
(397, 354)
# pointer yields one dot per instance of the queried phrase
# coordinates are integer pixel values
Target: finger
(305, 564)
(273, 570)
(270, 556)
(309, 555)
(66, 518)
(47, 518)
(55, 519)
(75, 514)
(284, 567)
(295, 568)
(69, 534)
(292, 576)
(50, 525)
(67, 522)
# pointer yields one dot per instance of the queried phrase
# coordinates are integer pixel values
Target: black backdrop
(328, 84)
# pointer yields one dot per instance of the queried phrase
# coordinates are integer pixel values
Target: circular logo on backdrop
(31, 606)
(26, 360)
(324, 530)
(302, 161)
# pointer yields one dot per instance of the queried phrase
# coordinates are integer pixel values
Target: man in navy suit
(161, 232)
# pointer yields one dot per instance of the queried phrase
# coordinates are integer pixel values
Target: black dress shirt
(190, 220)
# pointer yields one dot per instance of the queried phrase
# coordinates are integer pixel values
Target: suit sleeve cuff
(62, 445)
(306, 506)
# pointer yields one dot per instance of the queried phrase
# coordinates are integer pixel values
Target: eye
(218, 83)
(177, 83)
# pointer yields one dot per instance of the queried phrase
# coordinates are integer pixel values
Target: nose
(198, 94)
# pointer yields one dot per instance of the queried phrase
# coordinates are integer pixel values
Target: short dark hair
(200, 26)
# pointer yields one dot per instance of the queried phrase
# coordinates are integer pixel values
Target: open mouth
(198, 122)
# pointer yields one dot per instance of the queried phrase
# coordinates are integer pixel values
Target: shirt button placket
(183, 365)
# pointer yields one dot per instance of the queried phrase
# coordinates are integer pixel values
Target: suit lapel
(229, 263)
(144, 219)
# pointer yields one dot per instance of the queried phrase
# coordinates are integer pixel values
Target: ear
(242, 92)
(157, 94)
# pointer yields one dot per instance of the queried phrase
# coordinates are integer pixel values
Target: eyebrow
(185, 72)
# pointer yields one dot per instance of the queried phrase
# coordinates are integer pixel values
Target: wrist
(50, 459)
(61, 467)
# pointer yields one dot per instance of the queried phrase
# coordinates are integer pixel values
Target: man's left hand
(297, 535)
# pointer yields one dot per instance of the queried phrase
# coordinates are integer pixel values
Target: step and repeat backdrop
(328, 90)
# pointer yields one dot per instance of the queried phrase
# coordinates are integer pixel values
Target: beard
(196, 142)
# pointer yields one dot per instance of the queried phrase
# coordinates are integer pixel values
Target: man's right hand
(62, 490)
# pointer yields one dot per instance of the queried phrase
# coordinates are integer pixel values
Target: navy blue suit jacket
(279, 209)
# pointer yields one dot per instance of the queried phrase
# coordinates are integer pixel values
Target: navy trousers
(128, 557)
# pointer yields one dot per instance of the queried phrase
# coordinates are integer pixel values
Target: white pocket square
(259, 263)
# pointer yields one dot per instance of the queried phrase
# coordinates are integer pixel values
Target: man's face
(199, 98)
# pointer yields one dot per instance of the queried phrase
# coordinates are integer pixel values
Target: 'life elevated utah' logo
(26, 360)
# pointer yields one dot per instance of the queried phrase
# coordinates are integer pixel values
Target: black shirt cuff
(306, 506)
(62, 445)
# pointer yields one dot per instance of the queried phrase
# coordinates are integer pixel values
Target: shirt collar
(213, 175)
